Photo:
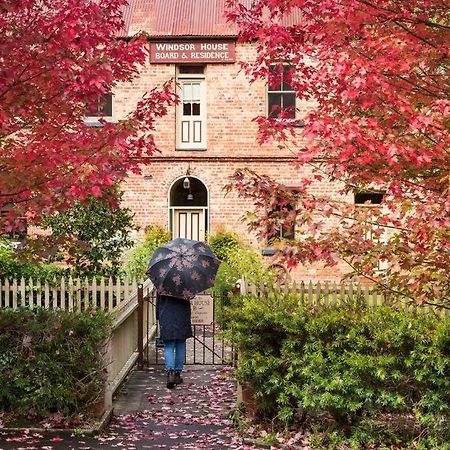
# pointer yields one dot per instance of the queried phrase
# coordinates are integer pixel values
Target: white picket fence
(332, 293)
(66, 293)
(318, 292)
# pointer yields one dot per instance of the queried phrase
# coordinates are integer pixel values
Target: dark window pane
(287, 75)
(105, 105)
(92, 109)
(274, 105)
(288, 232)
(282, 231)
(275, 75)
(375, 198)
(191, 69)
(102, 107)
(289, 105)
(186, 109)
(195, 109)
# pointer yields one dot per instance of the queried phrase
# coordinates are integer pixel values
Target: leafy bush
(238, 261)
(224, 243)
(12, 267)
(50, 362)
(362, 370)
(136, 265)
(90, 237)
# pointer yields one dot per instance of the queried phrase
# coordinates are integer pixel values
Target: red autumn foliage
(378, 73)
(57, 57)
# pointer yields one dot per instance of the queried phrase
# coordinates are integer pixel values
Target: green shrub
(238, 260)
(362, 368)
(91, 236)
(224, 243)
(136, 265)
(12, 267)
(51, 362)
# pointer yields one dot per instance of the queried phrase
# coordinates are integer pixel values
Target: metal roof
(167, 18)
(177, 18)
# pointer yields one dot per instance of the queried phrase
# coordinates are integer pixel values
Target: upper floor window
(101, 108)
(280, 94)
(368, 198)
(191, 113)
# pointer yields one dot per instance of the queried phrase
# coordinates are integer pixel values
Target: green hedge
(137, 263)
(372, 373)
(237, 260)
(50, 363)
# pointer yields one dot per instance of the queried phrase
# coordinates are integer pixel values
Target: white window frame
(271, 91)
(366, 208)
(190, 145)
(95, 120)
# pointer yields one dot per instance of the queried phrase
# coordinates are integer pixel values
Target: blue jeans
(174, 354)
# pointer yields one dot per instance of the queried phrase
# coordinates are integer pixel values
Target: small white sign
(202, 309)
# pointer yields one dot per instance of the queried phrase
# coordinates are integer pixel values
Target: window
(197, 70)
(365, 202)
(18, 236)
(284, 231)
(368, 198)
(191, 113)
(101, 108)
(280, 94)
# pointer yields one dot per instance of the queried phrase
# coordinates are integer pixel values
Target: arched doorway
(188, 209)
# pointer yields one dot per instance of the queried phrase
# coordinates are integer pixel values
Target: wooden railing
(124, 342)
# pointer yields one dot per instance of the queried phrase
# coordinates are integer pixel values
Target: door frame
(171, 209)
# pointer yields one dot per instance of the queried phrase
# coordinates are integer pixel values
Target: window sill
(95, 121)
(190, 149)
(295, 123)
(268, 251)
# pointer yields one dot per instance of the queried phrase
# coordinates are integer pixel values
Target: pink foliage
(57, 57)
(378, 76)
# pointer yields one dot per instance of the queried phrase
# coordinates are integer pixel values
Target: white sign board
(202, 309)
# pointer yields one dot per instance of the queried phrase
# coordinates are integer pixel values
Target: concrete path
(147, 415)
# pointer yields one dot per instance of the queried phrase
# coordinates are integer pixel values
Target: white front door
(190, 224)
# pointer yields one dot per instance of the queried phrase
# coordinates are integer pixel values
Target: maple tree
(56, 58)
(378, 75)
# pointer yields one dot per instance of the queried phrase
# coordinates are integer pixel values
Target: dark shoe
(170, 379)
(178, 379)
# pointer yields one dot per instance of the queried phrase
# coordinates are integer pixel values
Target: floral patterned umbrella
(182, 268)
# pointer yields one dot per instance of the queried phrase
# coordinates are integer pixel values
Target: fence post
(140, 334)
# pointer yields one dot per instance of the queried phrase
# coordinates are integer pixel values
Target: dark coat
(174, 316)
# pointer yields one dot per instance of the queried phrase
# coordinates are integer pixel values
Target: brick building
(211, 133)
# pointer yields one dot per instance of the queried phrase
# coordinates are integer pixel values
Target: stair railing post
(140, 321)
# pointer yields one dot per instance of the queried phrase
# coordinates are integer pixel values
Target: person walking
(179, 270)
(174, 316)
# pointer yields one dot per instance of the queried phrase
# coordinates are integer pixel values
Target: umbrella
(182, 268)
